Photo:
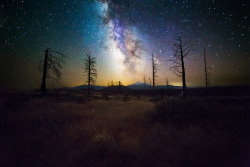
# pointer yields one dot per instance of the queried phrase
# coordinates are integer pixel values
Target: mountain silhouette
(140, 85)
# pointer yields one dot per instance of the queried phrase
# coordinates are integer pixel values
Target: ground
(71, 129)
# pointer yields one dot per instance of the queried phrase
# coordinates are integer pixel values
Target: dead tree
(154, 69)
(149, 82)
(181, 50)
(207, 68)
(167, 82)
(52, 63)
(144, 82)
(90, 70)
(120, 87)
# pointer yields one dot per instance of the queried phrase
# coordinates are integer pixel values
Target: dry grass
(68, 129)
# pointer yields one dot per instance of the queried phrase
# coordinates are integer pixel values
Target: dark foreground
(68, 129)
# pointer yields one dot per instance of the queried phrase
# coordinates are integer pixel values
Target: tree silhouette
(167, 82)
(181, 50)
(144, 82)
(90, 70)
(207, 68)
(52, 63)
(120, 87)
(154, 69)
(149, 82)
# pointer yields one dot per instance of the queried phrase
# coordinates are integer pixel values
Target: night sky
(122, 34)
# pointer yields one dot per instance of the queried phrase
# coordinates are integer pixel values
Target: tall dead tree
(51, 66)
(154, 69)
(90, 70)
(207, 68)
(181, 50)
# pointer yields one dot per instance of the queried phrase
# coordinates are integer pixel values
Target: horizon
(168, 85)
(51, 88)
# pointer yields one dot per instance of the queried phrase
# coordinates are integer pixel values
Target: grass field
(70, 129)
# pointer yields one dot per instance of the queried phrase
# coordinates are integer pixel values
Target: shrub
(181, 111)
(126, 97)
(105, 96)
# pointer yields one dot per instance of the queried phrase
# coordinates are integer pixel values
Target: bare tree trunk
(183, 73)
(144, 82)
(120, 89)
(89, 76)
(205, 64)
(153, 67)
(43, 86)
(149, 83)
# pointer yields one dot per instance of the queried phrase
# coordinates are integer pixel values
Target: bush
(181, 111)
(105, 96)
(126, 97)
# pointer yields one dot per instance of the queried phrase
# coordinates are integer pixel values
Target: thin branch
(174, 62)
(53, 79)
(57, 59)
(53, 51)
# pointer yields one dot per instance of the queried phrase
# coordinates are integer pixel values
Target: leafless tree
(90, 70)
(120, 87)
(149, 82)
(52, 64)
(167, 82)
(181, 50)
(154, 69)
(207, 69)
(144, 82)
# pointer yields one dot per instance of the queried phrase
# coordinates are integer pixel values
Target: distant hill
(136, 86)
(116, 89)
(140, 85)
(96, 87)
(168, 87)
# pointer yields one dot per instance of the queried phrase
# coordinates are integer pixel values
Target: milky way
(122, 36)
(126, 41)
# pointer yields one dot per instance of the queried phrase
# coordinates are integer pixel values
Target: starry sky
(122, 34)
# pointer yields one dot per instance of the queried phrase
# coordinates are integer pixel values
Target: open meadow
(70, 129)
